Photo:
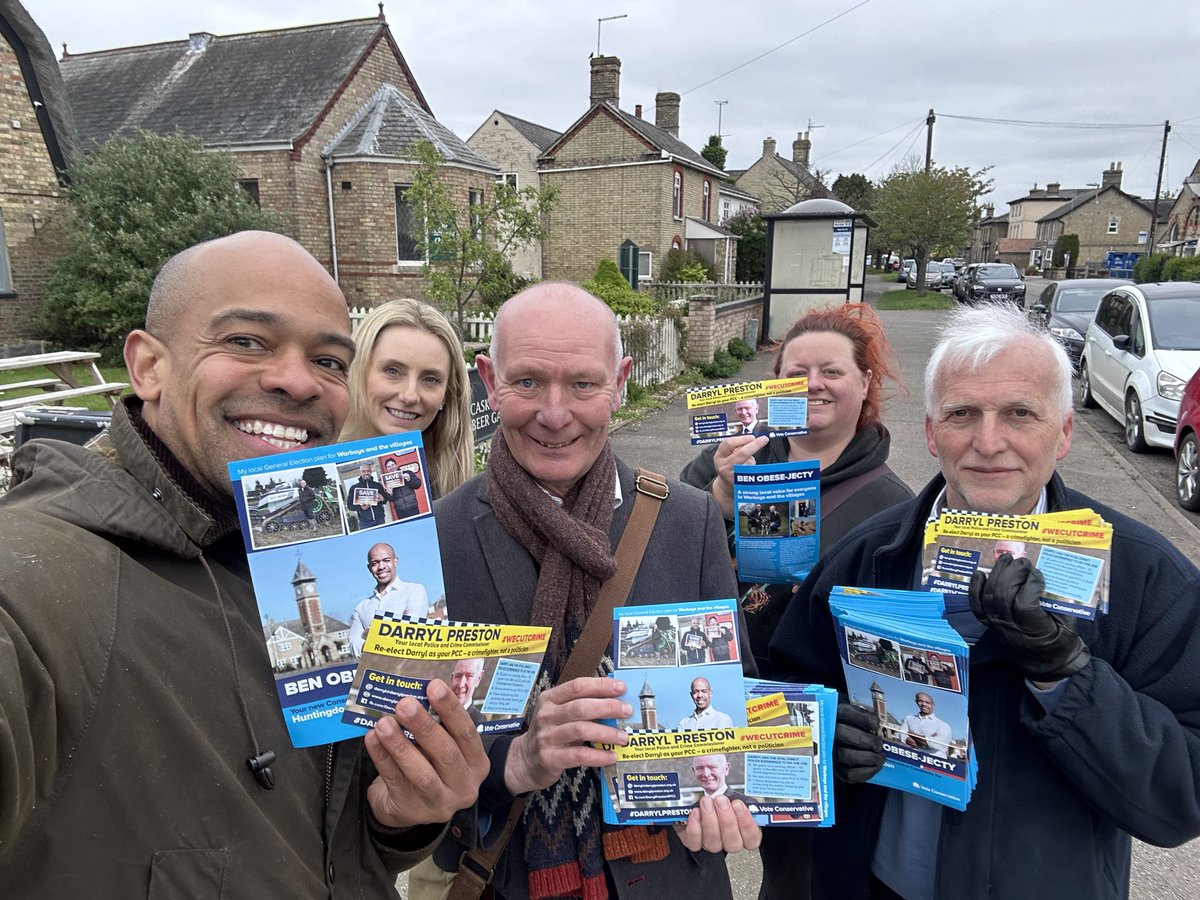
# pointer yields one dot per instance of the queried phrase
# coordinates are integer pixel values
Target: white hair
(973, 336)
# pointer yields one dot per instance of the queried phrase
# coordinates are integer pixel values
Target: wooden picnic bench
(64, 385)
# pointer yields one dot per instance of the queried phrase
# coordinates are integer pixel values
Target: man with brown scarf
(531, 541)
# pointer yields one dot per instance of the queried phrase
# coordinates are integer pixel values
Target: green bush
(687, 266)
(740, 349)
(610, 286)
(1181, 268)
(1149, 268)
(1064, 244)
(724, 365)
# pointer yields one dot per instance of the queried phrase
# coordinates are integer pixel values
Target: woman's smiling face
(406, 379)
(836, 386)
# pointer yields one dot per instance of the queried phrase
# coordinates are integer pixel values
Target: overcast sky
(864, 72)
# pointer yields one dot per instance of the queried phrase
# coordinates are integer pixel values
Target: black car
(994, 282)
(1067, 307)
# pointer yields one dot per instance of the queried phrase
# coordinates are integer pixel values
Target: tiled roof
(1015, 245)
(270, 86)
(805, 177)
(390, 123)
(538, 135)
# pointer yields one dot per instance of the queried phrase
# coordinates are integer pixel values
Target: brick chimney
(800, 149)
(666, 112)
(637, 110)
(1112, 176)
(606, 79)
(768, 147)
(1053, 187)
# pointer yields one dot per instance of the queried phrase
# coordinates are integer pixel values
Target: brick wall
(497, 140)
(31, 202)
(711, 326)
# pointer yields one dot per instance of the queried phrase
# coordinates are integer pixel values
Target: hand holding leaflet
(857, 746)
(1044, 645)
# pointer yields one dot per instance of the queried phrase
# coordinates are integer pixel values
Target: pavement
(660, 442)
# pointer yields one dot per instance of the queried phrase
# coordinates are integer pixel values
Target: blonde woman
(410, 375)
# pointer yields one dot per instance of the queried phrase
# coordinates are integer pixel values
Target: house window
(5, 273)
(250, 187)
(1113, 224)
(677, 198)
(408, 244)
(645, 265)
(285, 645)
(474, 202)
(726, 211)
(706, 201)
(509, 178)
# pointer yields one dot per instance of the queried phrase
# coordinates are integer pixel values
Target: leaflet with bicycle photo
(491, 669)
(903, 661)
(1070, 548)
(777, 521)
(322, 559)
(774, 407)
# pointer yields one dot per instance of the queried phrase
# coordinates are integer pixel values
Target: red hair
(860, 324)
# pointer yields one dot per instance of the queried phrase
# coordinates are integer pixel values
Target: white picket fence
(679, 291)
(654, 342)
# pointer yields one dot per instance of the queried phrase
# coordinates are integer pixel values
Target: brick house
(1024, 212)
(1182, 230)
(36, 146)
(782, 183)
(515, 145)
(987, 235)
(623, 178)
(320, 119)
(1105, 218)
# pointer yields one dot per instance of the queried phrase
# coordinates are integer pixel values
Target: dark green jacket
(123, 743)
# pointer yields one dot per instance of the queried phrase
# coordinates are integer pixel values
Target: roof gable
(390, 123)
(539, 135)
(261, 87)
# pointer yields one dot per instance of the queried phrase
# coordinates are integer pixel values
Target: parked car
(957, 261)
(904, 269)
(1139, 352)
(1187, 454)
(995, 282)
(960, 281)
(1066, 307)
(933, 277)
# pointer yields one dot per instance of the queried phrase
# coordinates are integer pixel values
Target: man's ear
(146, 359)
(487, 374)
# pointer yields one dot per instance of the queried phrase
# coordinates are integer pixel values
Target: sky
(861, 75)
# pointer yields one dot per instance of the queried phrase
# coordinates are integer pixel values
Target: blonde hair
(449, 440)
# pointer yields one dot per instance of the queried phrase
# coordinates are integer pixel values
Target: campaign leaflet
(689, 734)
(905, 662)
(803, 802)
(1071, 549)
(775, 407)
(308, 529)
(778, 520)
(490, 668)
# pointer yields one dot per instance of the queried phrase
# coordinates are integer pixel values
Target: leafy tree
(714, 152)
(467, 246)
(918, 211)
(748, 225)
(1064, 244)
(136, 201)
(855, 190)
(611, 286)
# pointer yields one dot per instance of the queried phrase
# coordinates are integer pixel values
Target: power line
(823, 157)
(1030, 123)
(780, 47)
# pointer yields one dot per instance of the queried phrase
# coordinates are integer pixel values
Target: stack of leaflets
(776, 407)
(903, 661)
(1070, 548)
(777, 528)
(339, 538)
(690, 734)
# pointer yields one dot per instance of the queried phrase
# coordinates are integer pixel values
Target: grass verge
(83, 374)
(906, 299)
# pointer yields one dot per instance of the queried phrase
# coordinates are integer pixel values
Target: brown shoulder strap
(475, 867)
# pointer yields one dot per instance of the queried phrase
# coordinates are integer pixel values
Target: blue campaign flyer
(332, 535)
(778, 520)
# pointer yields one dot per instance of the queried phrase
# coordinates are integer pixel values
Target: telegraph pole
(929, 141)
(1162, 160)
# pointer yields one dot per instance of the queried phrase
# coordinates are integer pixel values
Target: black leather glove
(1044, 645)
(857, 746)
